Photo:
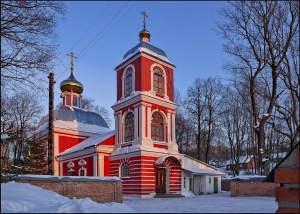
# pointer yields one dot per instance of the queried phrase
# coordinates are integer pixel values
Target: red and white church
(142, 149)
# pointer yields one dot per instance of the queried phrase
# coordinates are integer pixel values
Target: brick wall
(287, 179)
(225, 185)
(252, 188)
(101, 191)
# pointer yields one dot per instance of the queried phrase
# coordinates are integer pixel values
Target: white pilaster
(100, 165)
(142, 119)
(136, 124)
(55, 153)
(169, 130)
(173, 127)
(95, 165)
(149, 117)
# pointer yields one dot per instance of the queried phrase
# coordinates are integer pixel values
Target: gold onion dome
(144, 34)
(71, 85)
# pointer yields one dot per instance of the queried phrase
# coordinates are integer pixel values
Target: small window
(128, 82)
(125, 170)
(129, 127)
(71, 173)
(209, 180)
(184, 184)
(74, 101)
(82, 172)
(157, 127)
(158, 81)
(191, 186)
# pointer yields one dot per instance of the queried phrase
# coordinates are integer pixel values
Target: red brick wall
(252, 188)
(287, 179)
(98, 191)
(225, 185)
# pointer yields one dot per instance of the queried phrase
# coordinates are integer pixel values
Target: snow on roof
(92, 141)
(73, 118)
(144, 47)
(198, 171)
(242, 159)
(135, 148)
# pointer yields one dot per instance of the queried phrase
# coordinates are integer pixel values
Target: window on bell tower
(125, 170)
(128, 82)
(129, 127)
(158, 81)
(157, 127)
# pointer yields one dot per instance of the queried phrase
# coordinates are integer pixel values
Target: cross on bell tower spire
(144, 34)
(72, 62)
(145, 15)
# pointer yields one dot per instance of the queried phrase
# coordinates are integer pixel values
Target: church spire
(144, 34)
(71, 88)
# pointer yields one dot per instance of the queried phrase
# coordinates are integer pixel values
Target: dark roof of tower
(67, 114)
(145, 45)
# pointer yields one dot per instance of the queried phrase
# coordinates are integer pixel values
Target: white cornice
(144, 96)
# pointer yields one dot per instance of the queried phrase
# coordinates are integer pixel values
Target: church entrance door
(160, 180)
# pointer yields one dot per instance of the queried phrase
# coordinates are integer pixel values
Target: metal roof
(145, 45)
(68, 113)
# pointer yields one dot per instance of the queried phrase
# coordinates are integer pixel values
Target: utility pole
(51, 120)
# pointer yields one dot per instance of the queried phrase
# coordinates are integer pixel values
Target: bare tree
(258, 36)
(235, 121)
(195, 107)
(212, 89)
(20, 113)
(28, 41)
(184, 129)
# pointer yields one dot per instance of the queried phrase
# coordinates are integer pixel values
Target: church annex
(142, 149)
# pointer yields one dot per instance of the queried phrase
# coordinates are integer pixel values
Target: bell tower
(145, 108)
(71, 88)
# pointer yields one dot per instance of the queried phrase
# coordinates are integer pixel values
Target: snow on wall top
(69, 178)
(92, 141)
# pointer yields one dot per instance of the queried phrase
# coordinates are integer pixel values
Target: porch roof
(197, 171)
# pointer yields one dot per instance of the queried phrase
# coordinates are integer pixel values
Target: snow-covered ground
(26, 198)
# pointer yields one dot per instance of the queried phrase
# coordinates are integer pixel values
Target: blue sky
(100, 33)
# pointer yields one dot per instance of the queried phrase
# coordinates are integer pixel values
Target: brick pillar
(287, 177)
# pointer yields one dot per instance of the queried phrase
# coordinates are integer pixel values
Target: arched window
(128, 82)
(82, 172)
(158, 81)
(125, 170)
(129, 127)
(157, 127)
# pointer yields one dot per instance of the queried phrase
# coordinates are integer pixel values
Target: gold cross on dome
(145, 15)
(72, 57)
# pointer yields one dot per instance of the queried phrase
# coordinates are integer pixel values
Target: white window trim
(81, 162)
(165, 118)
(82, 168)
(123, 125)
(124, 79)
(164, 77)
(70, 164)
(120, 170)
